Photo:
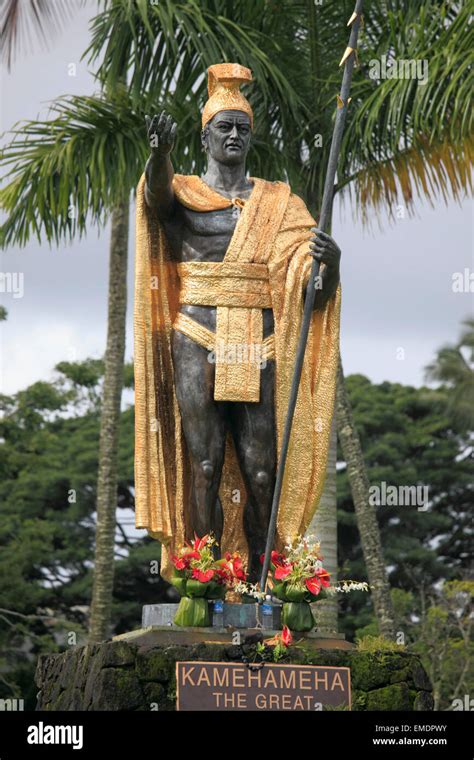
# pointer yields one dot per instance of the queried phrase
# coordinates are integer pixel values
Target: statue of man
(222, 269)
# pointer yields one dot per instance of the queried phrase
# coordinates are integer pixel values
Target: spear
(349, 58)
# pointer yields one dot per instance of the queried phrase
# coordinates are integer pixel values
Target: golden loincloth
(269, 249)
(239, 291)
(207, 339)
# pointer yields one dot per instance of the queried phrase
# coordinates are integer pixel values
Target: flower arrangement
(278, 644)
(200, 577)
(298, 578)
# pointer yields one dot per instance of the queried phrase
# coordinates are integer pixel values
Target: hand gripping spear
(342, 102)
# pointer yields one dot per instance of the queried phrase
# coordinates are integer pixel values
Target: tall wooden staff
(342, 102)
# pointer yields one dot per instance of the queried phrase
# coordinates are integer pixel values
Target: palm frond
(23, 20)
(71, 169)
(456, 374)
(405, 138)
(425, 170)
(163, 45)
(467, 336)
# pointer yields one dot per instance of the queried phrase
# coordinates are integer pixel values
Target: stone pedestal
(223, 615)
(167, 635)
(137, 671)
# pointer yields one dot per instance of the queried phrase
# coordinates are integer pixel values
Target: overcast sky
(398, 301)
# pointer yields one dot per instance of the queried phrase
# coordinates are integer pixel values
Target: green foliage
(49, 456)
(419, 437)
(71, 169)
(377, 644)
(408, 439)
(453, 366)
(409, 138)
(402, 137)
(441, 633)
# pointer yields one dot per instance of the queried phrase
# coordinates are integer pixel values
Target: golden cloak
(273, 229)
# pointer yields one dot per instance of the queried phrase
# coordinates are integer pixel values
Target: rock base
(140, 675)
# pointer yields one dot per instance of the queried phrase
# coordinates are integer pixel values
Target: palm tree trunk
(102, 590)
(324, 527)
(365, 512)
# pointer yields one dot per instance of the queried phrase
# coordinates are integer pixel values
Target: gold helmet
(223, 86)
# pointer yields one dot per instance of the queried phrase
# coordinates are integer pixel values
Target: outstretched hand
(161, 131)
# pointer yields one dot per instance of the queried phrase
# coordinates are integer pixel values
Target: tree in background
(43, 17)
(454, 368)
(23, 20)
(49, 455)
(402, 138)
(438, 626)
(415, 437)
(49, 436)
(408, 440)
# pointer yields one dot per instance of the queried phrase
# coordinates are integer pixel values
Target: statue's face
(227, 137)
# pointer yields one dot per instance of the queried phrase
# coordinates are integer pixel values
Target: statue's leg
(254, 433)
(204, 428)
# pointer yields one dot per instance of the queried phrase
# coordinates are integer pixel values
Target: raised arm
(159, 195)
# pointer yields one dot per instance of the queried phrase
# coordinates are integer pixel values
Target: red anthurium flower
(275, 559)
(179, 562)
(286, 637)
(278, 559)
(323, 576)
(203, 576)
(283, 572)
(238, 568)
(224, 573)
(313, 585)
(191, 555)
(199, 543)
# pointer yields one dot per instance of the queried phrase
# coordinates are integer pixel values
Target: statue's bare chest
(205, 236)
(200, 235)
(210, 223)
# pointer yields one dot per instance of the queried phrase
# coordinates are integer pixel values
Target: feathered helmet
(223, 86)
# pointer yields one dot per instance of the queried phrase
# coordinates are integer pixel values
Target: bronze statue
(222, 267)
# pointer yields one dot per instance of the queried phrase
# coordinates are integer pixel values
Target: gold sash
(239, 291)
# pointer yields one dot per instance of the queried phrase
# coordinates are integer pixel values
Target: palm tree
(454, 368)
(402, 139)
(366, 519)
(102, 591)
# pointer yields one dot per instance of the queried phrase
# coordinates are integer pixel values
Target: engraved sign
(233, 686)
